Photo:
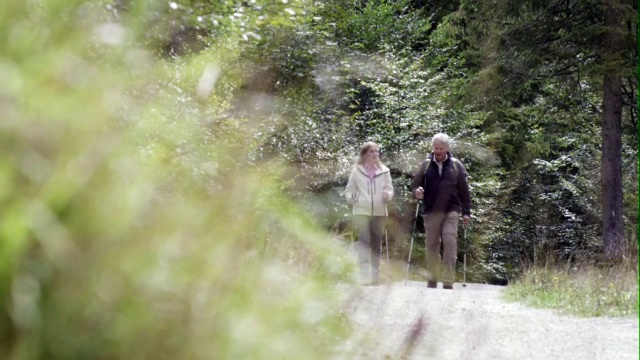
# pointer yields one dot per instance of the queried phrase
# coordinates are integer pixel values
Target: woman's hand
(353, 199)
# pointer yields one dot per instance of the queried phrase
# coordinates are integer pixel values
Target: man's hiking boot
(447, 286)
(432, 284)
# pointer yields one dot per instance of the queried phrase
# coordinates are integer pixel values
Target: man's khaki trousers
(441, 227)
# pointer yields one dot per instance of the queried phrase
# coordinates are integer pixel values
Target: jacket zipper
(373, 182)
(372, 185)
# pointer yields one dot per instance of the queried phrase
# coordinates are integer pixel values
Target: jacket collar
(432, 157)
(379, 170)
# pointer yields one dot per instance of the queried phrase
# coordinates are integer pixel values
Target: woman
(368, 190)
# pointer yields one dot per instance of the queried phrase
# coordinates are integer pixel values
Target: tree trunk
(611, 170)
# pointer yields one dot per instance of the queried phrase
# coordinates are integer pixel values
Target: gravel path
(409, 321)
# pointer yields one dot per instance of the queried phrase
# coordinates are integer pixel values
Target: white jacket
(366, 194)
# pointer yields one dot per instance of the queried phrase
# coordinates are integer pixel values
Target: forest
(182, 164)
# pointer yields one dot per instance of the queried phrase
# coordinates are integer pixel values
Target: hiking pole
(413, 232)
(464, 258)
(385, 240)
(386, 243)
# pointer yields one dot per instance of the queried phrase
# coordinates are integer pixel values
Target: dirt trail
(474, 323)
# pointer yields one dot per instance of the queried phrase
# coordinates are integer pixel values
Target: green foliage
(135, 223)
(374, 25)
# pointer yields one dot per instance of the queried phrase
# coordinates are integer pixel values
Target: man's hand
(466, 220)
(386, 195)
(419, 193)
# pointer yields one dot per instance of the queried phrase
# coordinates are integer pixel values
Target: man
(441, 183)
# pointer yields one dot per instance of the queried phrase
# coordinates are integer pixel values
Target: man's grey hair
(441, 137)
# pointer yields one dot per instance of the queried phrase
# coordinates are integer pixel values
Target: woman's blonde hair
(364, 149)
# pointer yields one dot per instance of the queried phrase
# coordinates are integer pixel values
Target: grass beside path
(588, 291)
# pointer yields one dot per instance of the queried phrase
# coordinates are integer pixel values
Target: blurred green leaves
(133, 220)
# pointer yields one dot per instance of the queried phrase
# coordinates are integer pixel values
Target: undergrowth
(588, 291)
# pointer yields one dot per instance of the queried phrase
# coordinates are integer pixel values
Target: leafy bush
(137, 222)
